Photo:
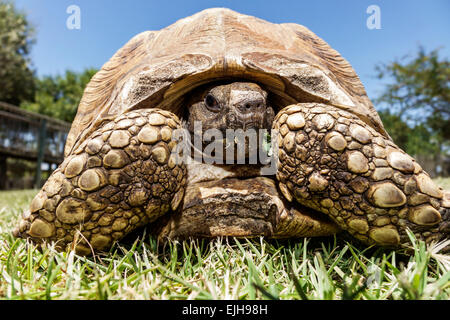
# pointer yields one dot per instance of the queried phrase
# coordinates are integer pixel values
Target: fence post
(40, 152)
(3, 170)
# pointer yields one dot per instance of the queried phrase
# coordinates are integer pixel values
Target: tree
(416, 139)
(59, 96)
(16, 39)
(419, 97)
(420, 88)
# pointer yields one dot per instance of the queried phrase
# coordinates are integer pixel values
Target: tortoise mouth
(239, 148)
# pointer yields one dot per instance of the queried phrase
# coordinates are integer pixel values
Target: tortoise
(330, 164)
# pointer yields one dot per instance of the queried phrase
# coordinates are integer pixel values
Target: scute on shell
(210, 45)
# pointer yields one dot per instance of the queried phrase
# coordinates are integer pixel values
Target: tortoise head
(238, 105)
(236, 114)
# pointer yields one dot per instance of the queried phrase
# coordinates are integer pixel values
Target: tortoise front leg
(120, 178)
(333, 162)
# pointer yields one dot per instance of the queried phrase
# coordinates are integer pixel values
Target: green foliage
(55, 96)
(16, 39)
(59, 96)
(419, 95)
(414, 139)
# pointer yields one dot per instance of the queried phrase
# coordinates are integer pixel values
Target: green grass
(443, 182)
(331, 268)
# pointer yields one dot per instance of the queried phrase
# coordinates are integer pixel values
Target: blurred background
(51, 48)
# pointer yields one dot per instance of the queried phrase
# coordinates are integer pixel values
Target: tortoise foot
(122, 177)
(333, 162)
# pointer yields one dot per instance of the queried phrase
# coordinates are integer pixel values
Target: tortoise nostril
(250, 107)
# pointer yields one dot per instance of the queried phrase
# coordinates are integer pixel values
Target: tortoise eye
(211, 103)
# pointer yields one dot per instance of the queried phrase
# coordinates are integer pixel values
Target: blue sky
(108, 25)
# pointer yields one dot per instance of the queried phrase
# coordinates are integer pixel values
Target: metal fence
(30, 136)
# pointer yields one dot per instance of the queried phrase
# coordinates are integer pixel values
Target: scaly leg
(333, 162)
(120, 178)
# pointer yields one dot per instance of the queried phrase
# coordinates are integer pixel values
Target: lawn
(316, 268)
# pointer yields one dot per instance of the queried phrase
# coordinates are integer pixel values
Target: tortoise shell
(157, 68)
